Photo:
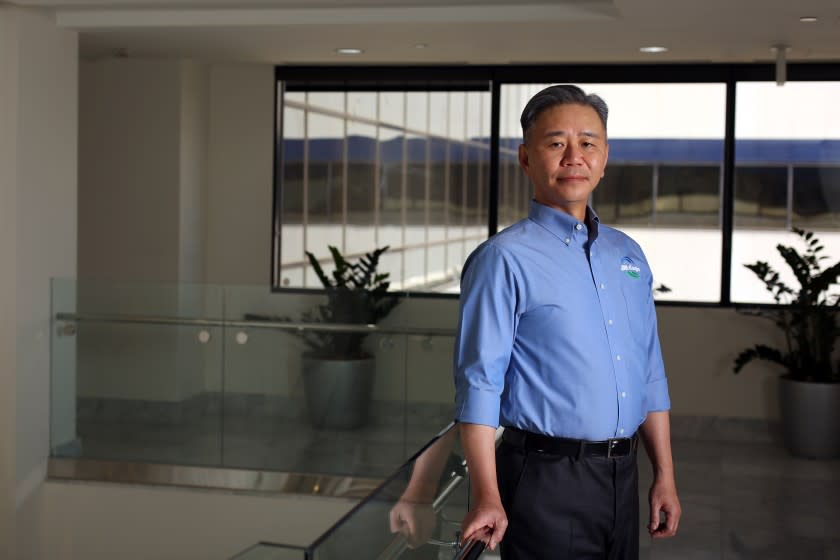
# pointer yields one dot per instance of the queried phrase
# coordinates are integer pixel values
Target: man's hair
(560, 95)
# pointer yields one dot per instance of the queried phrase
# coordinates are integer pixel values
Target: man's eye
(556, 144)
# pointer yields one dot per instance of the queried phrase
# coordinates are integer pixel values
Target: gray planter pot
(338, 392)
(810, 418)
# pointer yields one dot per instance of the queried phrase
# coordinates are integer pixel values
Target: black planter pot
(810, 418)
(338, 392)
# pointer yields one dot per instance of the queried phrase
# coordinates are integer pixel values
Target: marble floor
(742, 498)
(748, 500)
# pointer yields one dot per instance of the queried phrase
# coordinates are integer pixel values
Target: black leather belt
(539, 443)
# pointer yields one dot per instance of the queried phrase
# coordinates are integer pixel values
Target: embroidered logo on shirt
(629, 268)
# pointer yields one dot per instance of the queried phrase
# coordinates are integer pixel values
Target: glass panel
(625, 195)
(325, 193)
(291, 196)
(419, 508)
(312, 401)
(361, 187)
(362, 104)
(160, 373)
(816, 197)
(266, 551)
(761, 196)
(688, 195)
(662, 182)
(140, 381)
(787, 174)
(64, 440)
(394, 169)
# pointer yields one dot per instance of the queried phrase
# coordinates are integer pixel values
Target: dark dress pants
(561, 507)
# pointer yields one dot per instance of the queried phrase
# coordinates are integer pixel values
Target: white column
(38, 129)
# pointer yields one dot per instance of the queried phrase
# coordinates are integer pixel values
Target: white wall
(97, 521)
(8, 276)
(129, 120)
(38, 104)
(239, 174)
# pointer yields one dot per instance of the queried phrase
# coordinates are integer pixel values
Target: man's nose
(571, 155)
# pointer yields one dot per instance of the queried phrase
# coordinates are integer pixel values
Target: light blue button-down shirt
(557, 331)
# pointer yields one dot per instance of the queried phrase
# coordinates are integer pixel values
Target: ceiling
(438, 31)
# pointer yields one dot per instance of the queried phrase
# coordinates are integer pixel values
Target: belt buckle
(611, 444)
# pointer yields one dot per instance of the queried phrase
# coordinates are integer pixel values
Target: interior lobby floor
(748, 501)
(745, 499)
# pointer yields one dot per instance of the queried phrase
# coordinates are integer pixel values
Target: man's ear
(606, 159)
(523, 158)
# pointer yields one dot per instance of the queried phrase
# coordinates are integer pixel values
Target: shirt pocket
(636, 290)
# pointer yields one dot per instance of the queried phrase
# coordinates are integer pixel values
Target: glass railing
(267, 551)
(221, 376)
(415, 513)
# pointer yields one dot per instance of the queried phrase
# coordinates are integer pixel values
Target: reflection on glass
(662, 181)
(688, 195)
(209, 375)
(816, 197)
(366, 169)
(624, 195)
(761, 196)
(416, 514)
(270, 551)
(787, 174)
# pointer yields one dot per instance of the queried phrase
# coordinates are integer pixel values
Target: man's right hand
(486, 518)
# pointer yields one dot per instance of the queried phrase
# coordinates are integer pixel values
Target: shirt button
(609, 321)
(618, 357)
(567, 240)
(603, 286)
(623, 394)
(621, 431)
(578, 227)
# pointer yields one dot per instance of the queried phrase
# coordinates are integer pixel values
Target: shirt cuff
(657, 396)
(479, 407)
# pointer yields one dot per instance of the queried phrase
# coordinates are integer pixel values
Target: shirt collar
(566, 227)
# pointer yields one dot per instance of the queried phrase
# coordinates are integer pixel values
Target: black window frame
(491, 78)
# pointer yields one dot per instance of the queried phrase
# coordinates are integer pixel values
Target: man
(557, 342)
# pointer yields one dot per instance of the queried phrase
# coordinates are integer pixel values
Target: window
(787, 173)
(367, 162)
(361, 170)
(663, 179)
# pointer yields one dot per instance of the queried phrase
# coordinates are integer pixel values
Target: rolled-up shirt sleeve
(656, 397)
(486, 329)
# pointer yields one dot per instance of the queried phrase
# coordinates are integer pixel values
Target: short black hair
(560, 95)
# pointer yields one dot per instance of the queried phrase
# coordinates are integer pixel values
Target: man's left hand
(663, 498)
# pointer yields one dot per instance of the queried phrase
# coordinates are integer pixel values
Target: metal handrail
(246, 324)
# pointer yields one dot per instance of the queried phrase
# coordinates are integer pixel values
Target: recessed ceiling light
(808, 19)
(421, 45)
(349, 50)
(653, 49)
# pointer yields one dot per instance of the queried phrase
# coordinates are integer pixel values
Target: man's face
(564, 155)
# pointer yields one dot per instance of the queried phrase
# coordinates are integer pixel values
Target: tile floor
(749, 501)
(741, 500)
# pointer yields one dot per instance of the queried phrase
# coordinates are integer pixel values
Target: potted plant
(338, 372)
(810, 387)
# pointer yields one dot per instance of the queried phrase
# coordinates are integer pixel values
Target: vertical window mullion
(344, 174)
(727, 196)
(446, 184)
(427, 188)
(305, 188)
(377, 169)
(789, 203)
(404, 187)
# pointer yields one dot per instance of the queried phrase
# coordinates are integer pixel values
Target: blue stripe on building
(362, 149)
